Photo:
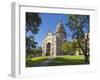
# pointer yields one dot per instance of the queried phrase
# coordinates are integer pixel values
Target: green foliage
(33, 21)
(69, 47)
(65, 47)
(47, 53)
(79, 26)
(74, 46)
(35, 52)
(30, 43)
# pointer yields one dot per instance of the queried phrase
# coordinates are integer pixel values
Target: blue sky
(50, 21)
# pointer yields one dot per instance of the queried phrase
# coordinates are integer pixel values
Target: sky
(50, 21)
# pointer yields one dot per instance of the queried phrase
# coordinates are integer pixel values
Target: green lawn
(33, 61)
(68, 60)
(59, 60)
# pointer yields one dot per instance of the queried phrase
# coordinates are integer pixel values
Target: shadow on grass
(66, 61)
(34, 61)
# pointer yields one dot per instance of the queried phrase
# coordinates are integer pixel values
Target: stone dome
(60, 28)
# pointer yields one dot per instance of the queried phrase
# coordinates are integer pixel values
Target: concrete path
(46, 62)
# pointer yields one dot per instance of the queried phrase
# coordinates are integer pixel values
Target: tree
(36, 52)
(66, 47)
(79, 26)
(39, 51)
(33, 21)
(30, 43)
(74, 46)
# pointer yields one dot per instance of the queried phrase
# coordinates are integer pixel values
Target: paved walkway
(46, 62)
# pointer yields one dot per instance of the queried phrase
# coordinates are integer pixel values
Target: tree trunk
(86, 58)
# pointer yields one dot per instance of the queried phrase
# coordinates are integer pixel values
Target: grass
(68, 60)
(59, 60)
(30, 62)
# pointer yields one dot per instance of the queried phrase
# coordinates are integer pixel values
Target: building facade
(51, 45)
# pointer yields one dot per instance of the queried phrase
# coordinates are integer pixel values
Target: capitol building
(51, 45)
